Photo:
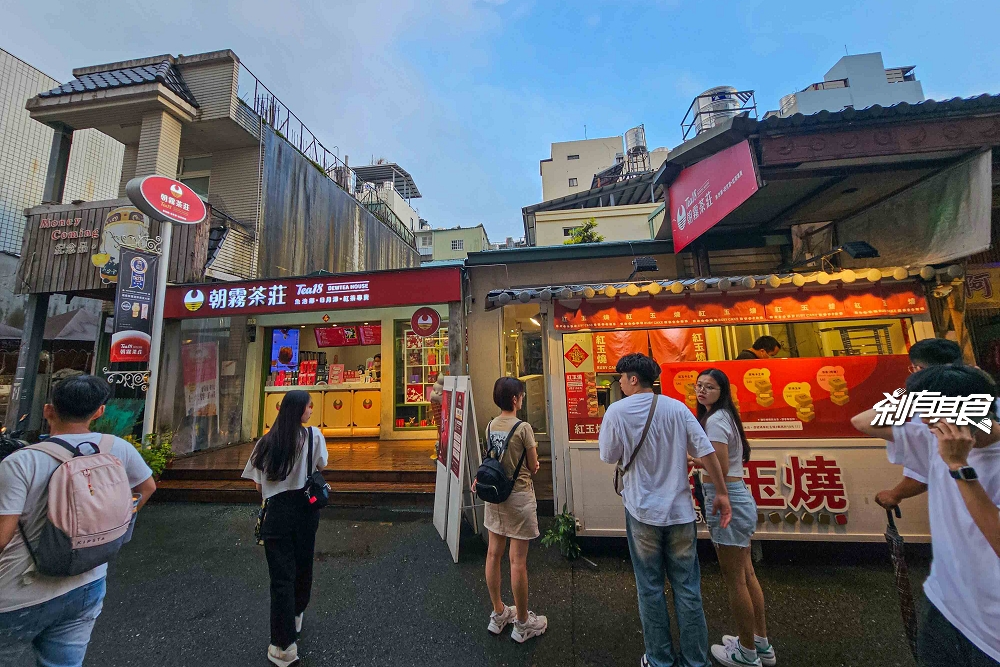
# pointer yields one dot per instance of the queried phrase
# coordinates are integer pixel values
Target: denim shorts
(744, 522)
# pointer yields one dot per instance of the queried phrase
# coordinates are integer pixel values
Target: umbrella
(906, 607)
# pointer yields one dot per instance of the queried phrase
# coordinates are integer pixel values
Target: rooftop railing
(259, 99)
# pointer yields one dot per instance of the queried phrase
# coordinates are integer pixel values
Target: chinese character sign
(134, 306)
(200, 366)
(900, 407)
(982, 287)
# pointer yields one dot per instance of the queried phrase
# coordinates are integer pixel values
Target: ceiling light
(535, 322)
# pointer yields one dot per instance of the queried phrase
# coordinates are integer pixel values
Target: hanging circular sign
(165, 199)
(425, 322)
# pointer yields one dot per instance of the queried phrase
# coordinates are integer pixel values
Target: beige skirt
(516, 517)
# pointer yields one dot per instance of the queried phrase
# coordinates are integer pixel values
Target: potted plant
(563, 535)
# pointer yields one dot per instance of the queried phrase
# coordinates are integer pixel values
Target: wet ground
(191, 590)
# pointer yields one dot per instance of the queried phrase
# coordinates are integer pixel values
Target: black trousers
(940, 644)
(289, 534)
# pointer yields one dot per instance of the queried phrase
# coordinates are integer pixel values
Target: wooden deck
(381, 473)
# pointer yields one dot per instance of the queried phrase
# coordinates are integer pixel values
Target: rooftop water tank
(715, 105)
(635, 141)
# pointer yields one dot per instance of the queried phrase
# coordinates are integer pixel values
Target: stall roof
(716, 285)
(569, 252)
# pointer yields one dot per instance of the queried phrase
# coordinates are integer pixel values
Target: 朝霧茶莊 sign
(708, 191)
(165, 199)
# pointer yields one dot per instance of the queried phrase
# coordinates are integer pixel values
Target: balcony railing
(256, 97)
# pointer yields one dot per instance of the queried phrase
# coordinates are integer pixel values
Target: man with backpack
(71, 498)
(650, 437)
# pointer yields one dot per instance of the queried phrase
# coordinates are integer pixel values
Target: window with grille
(458, 244)
(572, 182)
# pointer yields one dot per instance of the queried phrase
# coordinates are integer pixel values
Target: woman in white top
(721, 421)
(279, 467)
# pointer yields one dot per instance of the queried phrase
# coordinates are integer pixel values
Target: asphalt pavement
(191, 589)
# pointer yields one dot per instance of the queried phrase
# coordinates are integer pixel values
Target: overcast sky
(467, 95)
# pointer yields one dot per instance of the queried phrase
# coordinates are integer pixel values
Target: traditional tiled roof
(164, 73)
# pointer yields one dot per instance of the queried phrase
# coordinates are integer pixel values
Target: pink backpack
(90, 513)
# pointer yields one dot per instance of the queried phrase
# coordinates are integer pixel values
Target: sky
(468, 95)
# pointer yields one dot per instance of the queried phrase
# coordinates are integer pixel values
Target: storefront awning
(735, 299)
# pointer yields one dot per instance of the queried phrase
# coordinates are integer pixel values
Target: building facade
(855, 82)
(571, 165)
(451, 244)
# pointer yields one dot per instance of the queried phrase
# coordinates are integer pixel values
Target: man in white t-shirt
(960, 625)
(52, 616)
(659, 511)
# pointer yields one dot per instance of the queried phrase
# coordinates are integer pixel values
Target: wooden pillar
(55, 177)
(458, 364)
(22, 392)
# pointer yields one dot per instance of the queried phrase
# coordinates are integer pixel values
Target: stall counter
(351, 409)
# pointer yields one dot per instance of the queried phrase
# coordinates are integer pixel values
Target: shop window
(419, 363)
(522, 350)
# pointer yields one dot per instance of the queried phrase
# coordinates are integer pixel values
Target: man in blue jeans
(659, 512)
(52, 617)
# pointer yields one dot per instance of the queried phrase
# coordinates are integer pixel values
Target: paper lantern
(610, 291)
(773, 281)
(700, 286)
(677, 287)
(955, 271)
(504, 298)
(524, 297)
(874, 275)
(927, 272)
(823, 278)
(899, 273)
(589, 293)
(632, 289)
(798, 280)
(565, 293)
(848, 276)
(725, 284)
(545, 294)
(654, 288)
(749, 282)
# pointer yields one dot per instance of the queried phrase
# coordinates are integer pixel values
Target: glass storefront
(420, 361)
(522, 358)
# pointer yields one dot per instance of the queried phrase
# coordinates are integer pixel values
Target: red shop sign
(708, 191)
(324, 293)
(425, 322)
(337, 336)
(164, 198)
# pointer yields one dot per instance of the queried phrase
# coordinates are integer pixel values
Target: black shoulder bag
(492, 484)
(619, 470)
(316, 489)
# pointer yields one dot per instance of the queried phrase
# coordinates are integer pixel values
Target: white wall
(614, 223)
(867, 86)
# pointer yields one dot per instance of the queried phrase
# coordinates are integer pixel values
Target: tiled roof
(903, 111)
(164, 73)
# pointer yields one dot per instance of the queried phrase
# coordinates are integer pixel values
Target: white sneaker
(500, 621)
(298, 623)
(731, 654)
(290, 656)
(534, 626)
(767, 657)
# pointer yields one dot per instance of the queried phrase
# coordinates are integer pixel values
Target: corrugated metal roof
(164, 73)
(389, 171)
(957, 106)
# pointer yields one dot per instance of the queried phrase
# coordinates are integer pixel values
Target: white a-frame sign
(459, 456)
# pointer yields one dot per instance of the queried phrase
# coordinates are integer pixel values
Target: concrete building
(280, 203)
(454, 243)
(571, 165)
(856, 82)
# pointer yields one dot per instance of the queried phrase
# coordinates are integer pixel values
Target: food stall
(845, 337)
(367, 347)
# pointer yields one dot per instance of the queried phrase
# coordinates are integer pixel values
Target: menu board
(581, 406)
(284, 350)
(337, 336)
(796, 398)
(371, 334)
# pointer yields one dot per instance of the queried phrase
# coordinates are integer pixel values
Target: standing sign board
(134, 306)
(441, 482)
(459, 456)
(708, 191)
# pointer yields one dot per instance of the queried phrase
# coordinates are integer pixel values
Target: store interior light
(535, 322)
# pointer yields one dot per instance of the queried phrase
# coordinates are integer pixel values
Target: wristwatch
(965, 473)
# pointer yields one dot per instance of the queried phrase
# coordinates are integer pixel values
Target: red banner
(799, 306)
(610, 346)
(796, 398)
(371, 334)
(295, 295)
(674, 345)
(708, 191)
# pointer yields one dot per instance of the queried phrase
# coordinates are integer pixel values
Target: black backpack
(492, 484)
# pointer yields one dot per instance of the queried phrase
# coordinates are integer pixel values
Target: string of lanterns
(725, 284)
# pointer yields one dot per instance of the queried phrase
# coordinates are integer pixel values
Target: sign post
(170, 202)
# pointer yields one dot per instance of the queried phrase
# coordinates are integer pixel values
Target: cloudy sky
(467, 95)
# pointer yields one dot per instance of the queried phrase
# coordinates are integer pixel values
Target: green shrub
(155, 450)
(563, 535)
(120, 417)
